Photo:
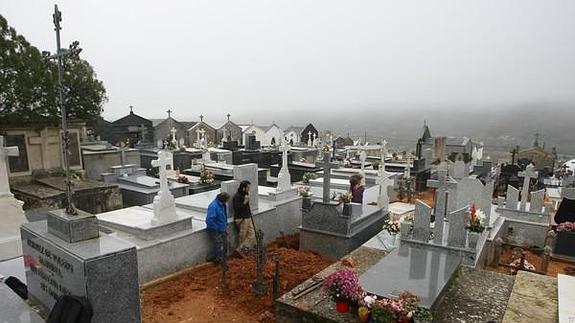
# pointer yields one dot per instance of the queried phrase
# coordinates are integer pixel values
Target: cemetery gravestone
(421, 222)
(537, 201)
(104, 270)
(327, 167)
(164, 202)
(249, 172)
(512, 198)
(284, 178)
(457, 235)
(527, 175)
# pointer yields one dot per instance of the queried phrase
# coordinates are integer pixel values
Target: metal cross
(60, 55)
(201, 117)
(131, 109)
(228, 115)
(169, 113)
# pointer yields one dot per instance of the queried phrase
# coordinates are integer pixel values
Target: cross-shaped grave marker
(284, 178)
(441, 185)
(327, 166)
(5, 152)
(528, 174)
(164, 202)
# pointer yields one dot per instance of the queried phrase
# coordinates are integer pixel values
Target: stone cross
(528, 174)
(327, 167)
(173, 131)
(441, 185)
(198, 137)
(362, 159)
(228, 115)
(143, 132)
(284, 177)
(407, 173)
(123, 148)
(224, 135)
(309, 139)
(314, 140)
(164, 202)
(383, 154)
(5, 152)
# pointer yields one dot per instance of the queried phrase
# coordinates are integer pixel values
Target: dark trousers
(219, 246)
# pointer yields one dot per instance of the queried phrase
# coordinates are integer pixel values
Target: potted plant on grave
(345, 198)
(206, 177)
(306, 194)
(344, 289)
(475, 226)
(307, 177)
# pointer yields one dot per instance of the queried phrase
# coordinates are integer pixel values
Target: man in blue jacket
(217, 224)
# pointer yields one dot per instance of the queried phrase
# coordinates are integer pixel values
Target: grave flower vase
(472, 238)
(346, 209)
(341, 306)
(404, 229)
(306, 203)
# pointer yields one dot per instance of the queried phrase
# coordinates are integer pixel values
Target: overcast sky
(290, 61)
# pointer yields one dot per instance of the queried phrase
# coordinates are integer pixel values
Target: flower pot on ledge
(342, 306)
(306, 203)
(347, 210)
(472, 239)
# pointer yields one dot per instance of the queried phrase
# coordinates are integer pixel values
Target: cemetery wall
(96, 163)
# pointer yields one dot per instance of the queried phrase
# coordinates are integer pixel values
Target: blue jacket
(217, 218)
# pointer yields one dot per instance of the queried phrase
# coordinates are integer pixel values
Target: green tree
(29, 85)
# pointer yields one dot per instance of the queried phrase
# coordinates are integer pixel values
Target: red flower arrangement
(566, 227)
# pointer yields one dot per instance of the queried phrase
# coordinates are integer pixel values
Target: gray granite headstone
(249, 172)
(421, 221)
(441, 185)
(72, 228)
(459, 169)
(104, 270)
(512, 198)
(537, 200)
(457, 235)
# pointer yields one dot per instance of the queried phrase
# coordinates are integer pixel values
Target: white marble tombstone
(12, 215)
(528, 174)
(284, 178)
(537, 201)
(512, 198)
(164, 202)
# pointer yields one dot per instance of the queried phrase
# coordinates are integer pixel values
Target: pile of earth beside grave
(196, 294)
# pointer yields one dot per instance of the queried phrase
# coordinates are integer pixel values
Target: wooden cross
(327, 166)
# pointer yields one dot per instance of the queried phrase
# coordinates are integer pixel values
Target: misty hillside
(496, 127)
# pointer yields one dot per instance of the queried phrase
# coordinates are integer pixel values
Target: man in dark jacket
(243, 218)
(217, 224)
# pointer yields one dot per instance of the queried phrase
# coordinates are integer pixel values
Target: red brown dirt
(555, 266)
(196, 296)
